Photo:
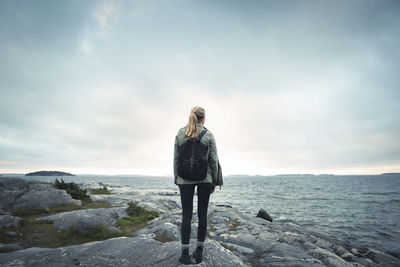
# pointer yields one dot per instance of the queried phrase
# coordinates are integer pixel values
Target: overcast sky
(288, 86)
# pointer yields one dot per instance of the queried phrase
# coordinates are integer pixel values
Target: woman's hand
(212, 189)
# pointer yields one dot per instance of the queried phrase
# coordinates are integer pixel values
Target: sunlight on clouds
(105, 13)
(105, 16)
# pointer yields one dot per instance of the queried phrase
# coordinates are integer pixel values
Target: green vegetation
(98, 232)
(228, 247)
(35, 233)
(212, 228)
(234, 225)
(73, 189)
(163, 237)
(100, 191)
(28, 212)
(137, 218)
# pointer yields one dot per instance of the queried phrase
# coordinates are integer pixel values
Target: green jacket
(214, 173)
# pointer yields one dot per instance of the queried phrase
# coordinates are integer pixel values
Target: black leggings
(203, 196)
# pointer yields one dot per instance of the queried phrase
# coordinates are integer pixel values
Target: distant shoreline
(59, 173)
(49, 173)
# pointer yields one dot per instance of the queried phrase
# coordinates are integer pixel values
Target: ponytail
(196, 115)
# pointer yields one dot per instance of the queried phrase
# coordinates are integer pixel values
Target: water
(361, 211)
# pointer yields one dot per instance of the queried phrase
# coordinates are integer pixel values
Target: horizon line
(168, 175)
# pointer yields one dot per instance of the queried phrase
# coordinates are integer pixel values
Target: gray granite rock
(11, 233)
(84, 220)
(263, 214)
(91, 185)
(165, 231)
(114, 200)
(9, 248)
(260, 221)
(22, 194)
(122, 251)
(249, 240)
(9, 221)
(328, 258)
(3, 212)
(382, 258)
(281, 254)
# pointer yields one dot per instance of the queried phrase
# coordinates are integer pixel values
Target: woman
(205, 186)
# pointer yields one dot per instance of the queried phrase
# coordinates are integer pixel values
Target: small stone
(264, 215)
(348, 256)
(11, 233)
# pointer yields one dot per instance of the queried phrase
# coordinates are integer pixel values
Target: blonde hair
(196, 115)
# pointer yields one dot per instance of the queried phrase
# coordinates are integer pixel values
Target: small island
(390, 173)
(49, 173)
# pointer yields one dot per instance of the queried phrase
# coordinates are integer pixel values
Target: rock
(91, 185)
(221, 231)
(347, 256)
(264, 215)
(230, 213)
(9, 221)
(328, 258)
(3, 212)
(254, 240)
(382, 258)
(127, 190)
(260, 221)
(113, 200)
(163, 232)
(218, 220)
(246, 240)
(84, 220)
(339, 250)
(21, 194)
(121, 251)
(323, 244)
(9, 248)
(223, 205)
(11, 233)
(240, 249)
(393, 253)
(114, 230)
(281, 254)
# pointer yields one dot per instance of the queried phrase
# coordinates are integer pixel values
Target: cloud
(105, 16)
(286, 88)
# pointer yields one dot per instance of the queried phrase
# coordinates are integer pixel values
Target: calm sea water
(362, 211)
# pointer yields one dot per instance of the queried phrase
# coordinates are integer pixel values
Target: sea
(354, 210)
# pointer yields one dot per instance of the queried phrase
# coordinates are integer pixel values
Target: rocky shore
(234, 239)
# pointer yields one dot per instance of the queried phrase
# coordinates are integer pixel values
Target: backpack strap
(202, 133)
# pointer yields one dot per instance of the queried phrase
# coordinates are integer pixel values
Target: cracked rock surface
(121, 251)
(233, 239)
(18, 194)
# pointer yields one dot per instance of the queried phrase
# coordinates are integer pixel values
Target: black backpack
(192, 159)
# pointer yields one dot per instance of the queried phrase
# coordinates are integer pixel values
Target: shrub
(137, 218)
(98, 232)
(134, 210)
(100, 191)
(74, 190)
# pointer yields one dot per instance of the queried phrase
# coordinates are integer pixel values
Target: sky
(103, 87)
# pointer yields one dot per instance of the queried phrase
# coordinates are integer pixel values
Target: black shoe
(185, 258)
(198, 254)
